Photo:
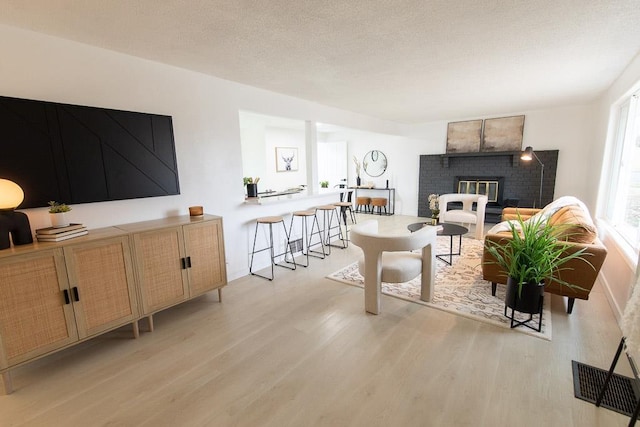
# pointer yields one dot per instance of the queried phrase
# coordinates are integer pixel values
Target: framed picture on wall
(286, 159)
(503, 134)
(464, 137)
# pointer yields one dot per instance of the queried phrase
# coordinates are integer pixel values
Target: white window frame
(619, 173)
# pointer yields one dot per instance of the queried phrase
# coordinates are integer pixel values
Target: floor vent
(621, 395)
(296, 245)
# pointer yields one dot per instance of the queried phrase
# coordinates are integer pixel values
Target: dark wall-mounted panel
(75, 154)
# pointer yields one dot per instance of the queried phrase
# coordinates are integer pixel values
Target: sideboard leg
(220, 294)
(6, 379)
(136, 329)
(150, 322)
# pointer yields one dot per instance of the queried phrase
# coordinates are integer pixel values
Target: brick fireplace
(518, 181)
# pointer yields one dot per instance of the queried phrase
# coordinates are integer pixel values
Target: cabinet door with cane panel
(180, 262)
(34, 316)
(204, 246)
(102, 285)
(161, 268)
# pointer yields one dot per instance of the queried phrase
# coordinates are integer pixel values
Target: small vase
(358, 182)
(59, 219)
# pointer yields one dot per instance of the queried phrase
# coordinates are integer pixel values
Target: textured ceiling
(405, 60)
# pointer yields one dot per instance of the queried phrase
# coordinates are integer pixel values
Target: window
(623, 199)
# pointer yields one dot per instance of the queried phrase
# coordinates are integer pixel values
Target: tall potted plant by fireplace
(532, 254)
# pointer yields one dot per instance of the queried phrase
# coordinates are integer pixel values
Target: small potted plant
(434, 206)
(57, 213)
(532, 254)
(252, 186)
(324, 184)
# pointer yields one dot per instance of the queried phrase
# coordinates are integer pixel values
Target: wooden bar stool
(307, 236)
(270, 221)
(379, 202)
(329, 213)
(363, 201)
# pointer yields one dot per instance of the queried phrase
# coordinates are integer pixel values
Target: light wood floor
(300, 351)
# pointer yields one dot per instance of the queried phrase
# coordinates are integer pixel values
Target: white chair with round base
(389, 258)
(466, 215)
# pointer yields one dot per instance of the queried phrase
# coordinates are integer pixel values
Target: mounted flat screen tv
(76, 154)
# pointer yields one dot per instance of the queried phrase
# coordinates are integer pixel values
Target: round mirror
(374, 163)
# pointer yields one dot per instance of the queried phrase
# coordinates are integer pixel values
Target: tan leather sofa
(580, 232)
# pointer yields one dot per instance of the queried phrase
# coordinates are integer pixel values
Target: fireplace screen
(487, 188)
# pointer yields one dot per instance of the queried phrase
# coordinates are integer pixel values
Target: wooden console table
(389, 193)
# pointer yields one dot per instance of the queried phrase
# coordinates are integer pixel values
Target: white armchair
(466, 215)
(387, 258)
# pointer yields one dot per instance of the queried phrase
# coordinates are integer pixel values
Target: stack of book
(57, 234)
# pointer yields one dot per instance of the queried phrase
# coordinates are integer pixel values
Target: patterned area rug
(459, 289)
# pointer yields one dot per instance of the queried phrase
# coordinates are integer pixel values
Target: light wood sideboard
(55, 295)
(177, 261)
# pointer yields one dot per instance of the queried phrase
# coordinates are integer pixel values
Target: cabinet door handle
(66, 297)
(76, 295)
(183, 262)
(188, 262)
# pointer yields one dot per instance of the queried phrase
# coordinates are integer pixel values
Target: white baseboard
(606, 289)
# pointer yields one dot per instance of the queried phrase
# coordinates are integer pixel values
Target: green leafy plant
(434, 205)
(55, 207)
(533, 253)
(324, 184)
(247, 180)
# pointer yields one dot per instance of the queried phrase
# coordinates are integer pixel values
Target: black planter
(529, 300)
(358, 181)
(252, 190)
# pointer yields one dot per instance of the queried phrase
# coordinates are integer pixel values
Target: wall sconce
(527, 155)
(12, 222)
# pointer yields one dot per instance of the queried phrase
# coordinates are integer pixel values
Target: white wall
(568, 129)
(333, 162)
(205, 114)
(403, 156)
(287, 139)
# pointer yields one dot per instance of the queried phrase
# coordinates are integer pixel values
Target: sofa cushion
(575, 225)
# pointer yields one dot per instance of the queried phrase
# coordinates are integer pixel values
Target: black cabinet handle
(188, 262)
(76, 295)
(66, 297)
(183, 262)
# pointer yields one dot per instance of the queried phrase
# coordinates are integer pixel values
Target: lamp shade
(527, 154)
(11, 195)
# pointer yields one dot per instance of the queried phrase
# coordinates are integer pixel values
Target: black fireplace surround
(519, 180)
